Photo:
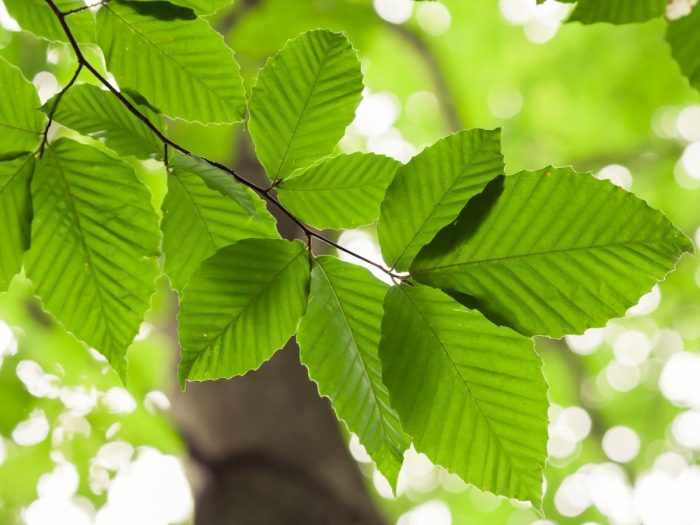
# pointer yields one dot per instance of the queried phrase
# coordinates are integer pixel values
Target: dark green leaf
(339, 342)
(552, 252)
(203, 7)
(617, 11)
(471, 394)
(429, 192)
(684, 36)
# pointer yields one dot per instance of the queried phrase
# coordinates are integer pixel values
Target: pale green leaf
(552, 252)
(95, 112)
(339, 192)
(204, 210)
(240, 307)
(203, 7)
(94, 246)
(617, 11)
(303, 100)
(15, 215)
(36, 17)
(175, 60)
(21, 122)
(471, 394)
(339, 343)
(684, 36)
(429, 192)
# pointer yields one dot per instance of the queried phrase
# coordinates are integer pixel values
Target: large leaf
(21, 122)
(94, 246)
(429, 192)
(240, 307)
(684, 36)
(36, 17)
(203, 7)
(175, 60)
(339, 192)
(15, 215)
(96, 112)
(339, 342)
(204, 210)
(304, 99)
(552, 252)
(471, 394)
(617, 11)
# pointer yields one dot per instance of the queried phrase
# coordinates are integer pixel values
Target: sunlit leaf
(94, 245)
(339, 192)
(177, 61)
(204, 210)
(429, 192)
(617, 11)
(470, 393)
(339, 343)
(552, 252)
(304, 99)
(240, 307)
(35, 16)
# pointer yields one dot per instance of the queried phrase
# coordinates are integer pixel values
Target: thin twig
(263, 192)
(54, 106)
(83, 8)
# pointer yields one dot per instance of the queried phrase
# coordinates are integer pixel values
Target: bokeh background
(77, 448)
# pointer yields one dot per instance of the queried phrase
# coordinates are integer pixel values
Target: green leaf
(15, 215)
(429, 192)
(304, 99)
(177, 62)
(684, 36)
(471, 394)
(339, 192)
(94, 246)
(21, 124)
(339, 343)
(95, 112)
(240, 307)
(204, 210)
(203, 7)
(36, 17)
(617, 11)
(552, 252)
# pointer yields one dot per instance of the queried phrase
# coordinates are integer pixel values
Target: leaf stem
(52, 111)
(266, 193)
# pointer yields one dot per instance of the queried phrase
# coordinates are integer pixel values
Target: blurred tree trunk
(269, 448)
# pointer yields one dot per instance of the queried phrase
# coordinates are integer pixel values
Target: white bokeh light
(586, 343)
(689, 123)
(690, 160)
(376, 113)
(429, 513)
(433, 17)
(32, 430)
(678, 381)
(621, 444)
(686, 429)
(647, 304)
(394, 11)
(632, 348)
(617, 174)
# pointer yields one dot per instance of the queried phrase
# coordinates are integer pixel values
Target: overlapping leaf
(203, 7)
(36, 17)
(339, 343)
(177, 61)
(470, 393)
(304, 99)
(21, 122)
(617, 11)
(339, 192)
(204, 210)
(15, 215)
(684, 36)
(552, 252)
(92, 111)
(240, 307)
(429, 192)
(94, 244)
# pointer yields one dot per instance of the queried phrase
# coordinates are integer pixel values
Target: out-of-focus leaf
(684, 36)
(339, 192)
(617, 11)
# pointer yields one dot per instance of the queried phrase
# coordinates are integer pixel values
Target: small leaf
(552, 252)
(471, 394)
(21, 122)
(339, 192)
(429, 192)
(178, 62)
(36, 17)
(304, 99)
(339, 343)
(684, 36)
(92, 111)
(204, 210)
(240, 307)
(617, 11)
(15, 215)
(94, 246)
